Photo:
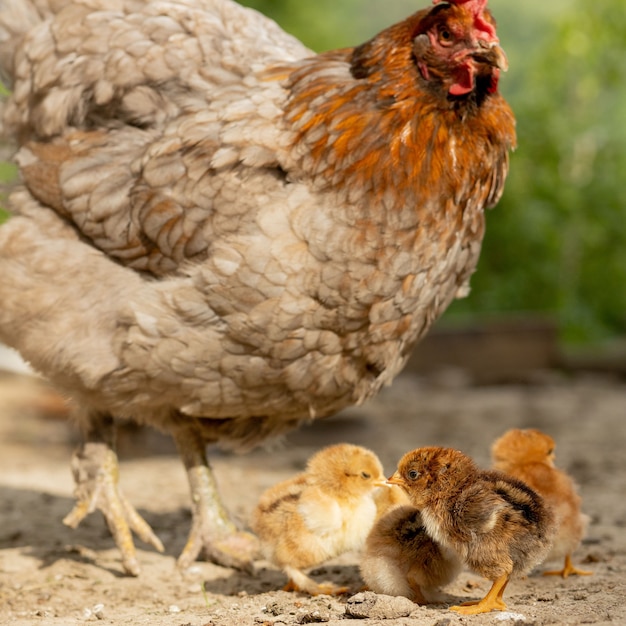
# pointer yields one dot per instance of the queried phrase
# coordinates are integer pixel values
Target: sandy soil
(50, 574)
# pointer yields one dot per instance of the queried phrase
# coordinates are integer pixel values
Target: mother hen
(221, 234)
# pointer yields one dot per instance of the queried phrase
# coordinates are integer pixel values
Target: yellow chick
(497, 525)
(400, 559)
(389, 498)
(317, 515)
(529, 456)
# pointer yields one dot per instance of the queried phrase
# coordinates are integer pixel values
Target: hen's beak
(396, 479)
(492, 54)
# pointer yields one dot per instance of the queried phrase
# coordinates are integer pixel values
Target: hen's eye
(445, 37)
(365, 475)
(414, 474)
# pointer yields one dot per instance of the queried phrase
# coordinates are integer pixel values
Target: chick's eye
(413, 474)
(365, 475)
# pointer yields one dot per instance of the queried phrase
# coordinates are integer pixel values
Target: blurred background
(555, 248)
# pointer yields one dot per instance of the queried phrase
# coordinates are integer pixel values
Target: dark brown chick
(498, 525)
(529, 456)
(317, 515)
(400, 558)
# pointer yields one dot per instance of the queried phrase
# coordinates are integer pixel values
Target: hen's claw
(96, 473)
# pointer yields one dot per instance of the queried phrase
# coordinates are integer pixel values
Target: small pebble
(314, 617)
(173, 608)
(368, 604)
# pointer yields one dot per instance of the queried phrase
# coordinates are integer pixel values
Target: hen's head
(452, 47)
(456, 46)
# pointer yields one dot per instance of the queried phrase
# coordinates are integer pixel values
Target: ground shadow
(33, 521)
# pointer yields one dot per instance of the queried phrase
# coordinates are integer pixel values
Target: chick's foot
(491, 602)
(96, 473)
(569, 569)
(300, 582)
(213, 533)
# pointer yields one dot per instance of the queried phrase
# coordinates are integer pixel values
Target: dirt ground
(50, 574)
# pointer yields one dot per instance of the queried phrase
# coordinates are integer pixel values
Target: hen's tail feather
(17, 17)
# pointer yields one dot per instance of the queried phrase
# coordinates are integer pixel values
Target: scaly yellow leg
(212, 530)
(96, 474)
(299, 581)
(491, 602)
(568, 570)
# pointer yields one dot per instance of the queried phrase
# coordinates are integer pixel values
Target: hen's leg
(96, 473)
(212, 530)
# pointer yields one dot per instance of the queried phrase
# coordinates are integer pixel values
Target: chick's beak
(396, 479)
(492, 54)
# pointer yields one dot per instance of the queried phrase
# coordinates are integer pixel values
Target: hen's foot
(569, 569)
(212, 533)
(96, 473)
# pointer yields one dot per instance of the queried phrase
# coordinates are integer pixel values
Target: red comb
(476, 7)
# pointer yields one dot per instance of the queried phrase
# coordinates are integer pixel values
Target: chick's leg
(212, 530)
(569, 569)
(299, 581)
(96, 474)
(491, 602)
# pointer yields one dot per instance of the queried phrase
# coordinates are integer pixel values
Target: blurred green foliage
(556, 243)
(8, 172)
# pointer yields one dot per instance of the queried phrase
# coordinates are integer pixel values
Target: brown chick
(400, 558)
(498, 525)
(317, 515)
(529, 456)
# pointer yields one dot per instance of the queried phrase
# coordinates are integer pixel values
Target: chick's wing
(321, 513)
(476, 511)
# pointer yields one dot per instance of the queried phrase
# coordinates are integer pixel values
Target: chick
(529, 456)
(325, 511)
(497, 525)
(389, 498)
(400, 559)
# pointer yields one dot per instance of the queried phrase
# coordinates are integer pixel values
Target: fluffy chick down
(529, 456)
(400, 558)
(498, 525)
(319, 514)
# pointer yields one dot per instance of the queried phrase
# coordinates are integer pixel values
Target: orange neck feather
(387, 137)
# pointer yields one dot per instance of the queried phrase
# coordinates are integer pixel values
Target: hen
(222, 234)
